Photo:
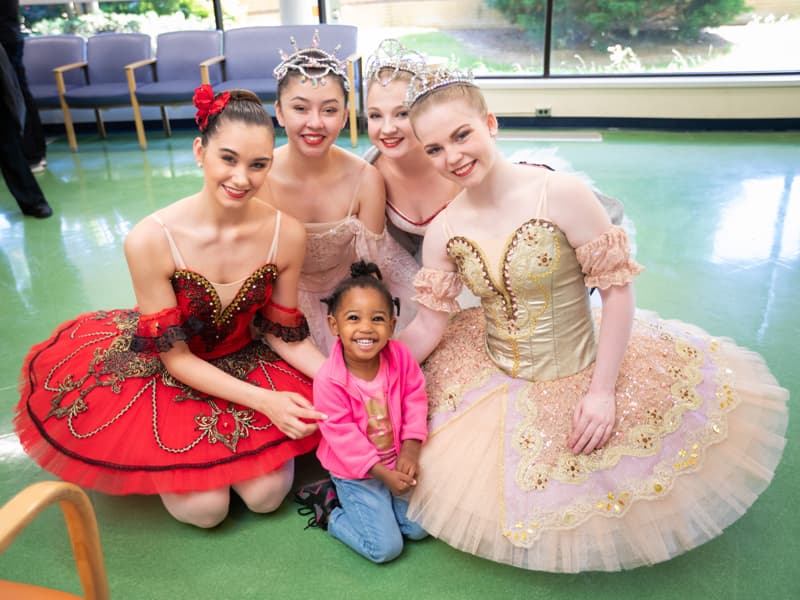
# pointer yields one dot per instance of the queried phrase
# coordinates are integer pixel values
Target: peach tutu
(699, 432)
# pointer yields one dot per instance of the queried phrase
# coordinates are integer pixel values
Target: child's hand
(408, 459)
(397, 481)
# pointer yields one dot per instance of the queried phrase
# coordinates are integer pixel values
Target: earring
(199, 164)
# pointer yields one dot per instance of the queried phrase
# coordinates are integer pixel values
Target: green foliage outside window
(160, 7)
(592, 21)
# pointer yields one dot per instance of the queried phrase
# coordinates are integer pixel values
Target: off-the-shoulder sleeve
(438, 289)
(158, 332)
(606, 260)
(288, 324)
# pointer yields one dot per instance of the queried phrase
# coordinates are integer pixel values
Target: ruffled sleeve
(158, 332)
(288, 324)
(606, 260)
(438, 289)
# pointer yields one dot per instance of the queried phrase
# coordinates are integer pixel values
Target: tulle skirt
(96, 414)
(699, 432)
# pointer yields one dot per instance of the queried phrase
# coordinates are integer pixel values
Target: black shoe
(318, 500)
(40, 211)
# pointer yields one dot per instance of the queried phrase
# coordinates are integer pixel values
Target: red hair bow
(208, 105)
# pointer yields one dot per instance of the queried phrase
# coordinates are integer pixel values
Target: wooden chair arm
(140, 63)
(58, 72)
(79, 515)
(204, 75)
(71, 66)
(130, 71)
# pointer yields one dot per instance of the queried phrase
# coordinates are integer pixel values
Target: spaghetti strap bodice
(331, 247)
(225, 291)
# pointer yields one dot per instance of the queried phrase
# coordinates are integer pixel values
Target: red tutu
(95, 412)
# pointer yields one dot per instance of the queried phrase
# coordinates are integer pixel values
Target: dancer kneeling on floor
(175, 397)
(559, 441)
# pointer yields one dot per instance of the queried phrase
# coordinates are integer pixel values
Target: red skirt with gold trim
(97, 414)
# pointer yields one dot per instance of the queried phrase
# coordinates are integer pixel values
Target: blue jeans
(371, 520)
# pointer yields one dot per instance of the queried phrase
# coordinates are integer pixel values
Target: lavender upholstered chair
(44, 53)
(175, 71)
(107, 54)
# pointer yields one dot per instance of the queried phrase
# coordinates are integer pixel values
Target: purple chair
(107, 54)
(251, 54)
(176, 73)
(42, 54)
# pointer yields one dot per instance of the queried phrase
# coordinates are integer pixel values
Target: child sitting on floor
(373, 392)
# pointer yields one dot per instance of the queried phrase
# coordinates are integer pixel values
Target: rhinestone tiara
(430, 79)
(314, 58)
(391, 55)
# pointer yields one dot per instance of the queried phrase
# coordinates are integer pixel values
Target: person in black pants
(33, 142)
(19, 178)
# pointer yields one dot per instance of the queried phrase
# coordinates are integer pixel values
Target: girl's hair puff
(245, 107)
(362, 275)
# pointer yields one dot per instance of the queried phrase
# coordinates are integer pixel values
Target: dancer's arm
(423, 334)
(371, 200)
(151, 268)
(304, 355)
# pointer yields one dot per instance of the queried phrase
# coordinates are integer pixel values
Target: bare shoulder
(372, 180)
(434, 245)
(576, 209)
(146, 238)
(292, 232)
(570, 187)
(147, 251)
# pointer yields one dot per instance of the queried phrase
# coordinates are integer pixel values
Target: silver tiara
(315, 59)
(430, 79)
(394, 57)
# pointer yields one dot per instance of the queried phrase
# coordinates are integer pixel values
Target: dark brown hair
(244, 106)
(362, 275)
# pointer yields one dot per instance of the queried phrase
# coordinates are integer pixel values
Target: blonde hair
(386, 75)
(469, 93)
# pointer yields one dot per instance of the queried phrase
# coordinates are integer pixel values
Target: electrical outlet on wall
(543, 111)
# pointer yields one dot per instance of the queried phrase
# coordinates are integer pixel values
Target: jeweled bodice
(538, 321)
(215, 329)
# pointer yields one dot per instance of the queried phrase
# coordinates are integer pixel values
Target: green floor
(717, 222)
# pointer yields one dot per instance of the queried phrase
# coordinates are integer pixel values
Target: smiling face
(388, 124)
(235, 161)
(312, 115)
(458, 139)
(364, 322)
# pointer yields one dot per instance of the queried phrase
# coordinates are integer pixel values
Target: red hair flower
(208, 105)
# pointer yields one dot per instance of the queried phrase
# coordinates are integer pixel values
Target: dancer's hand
(293, 414)
(592, 422)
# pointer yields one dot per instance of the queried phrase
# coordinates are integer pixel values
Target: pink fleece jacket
(345, 449)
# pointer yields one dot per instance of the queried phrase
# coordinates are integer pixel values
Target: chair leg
(68, 125)
(165, 120)
(101, 127)
(351, 100)
(137, 120)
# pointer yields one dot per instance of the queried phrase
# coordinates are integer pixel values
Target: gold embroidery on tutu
(688, 458)
(111, 367)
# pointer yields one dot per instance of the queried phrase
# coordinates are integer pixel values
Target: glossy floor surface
(717, 224)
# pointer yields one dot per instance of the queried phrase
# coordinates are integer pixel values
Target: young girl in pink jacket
(373, 392)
